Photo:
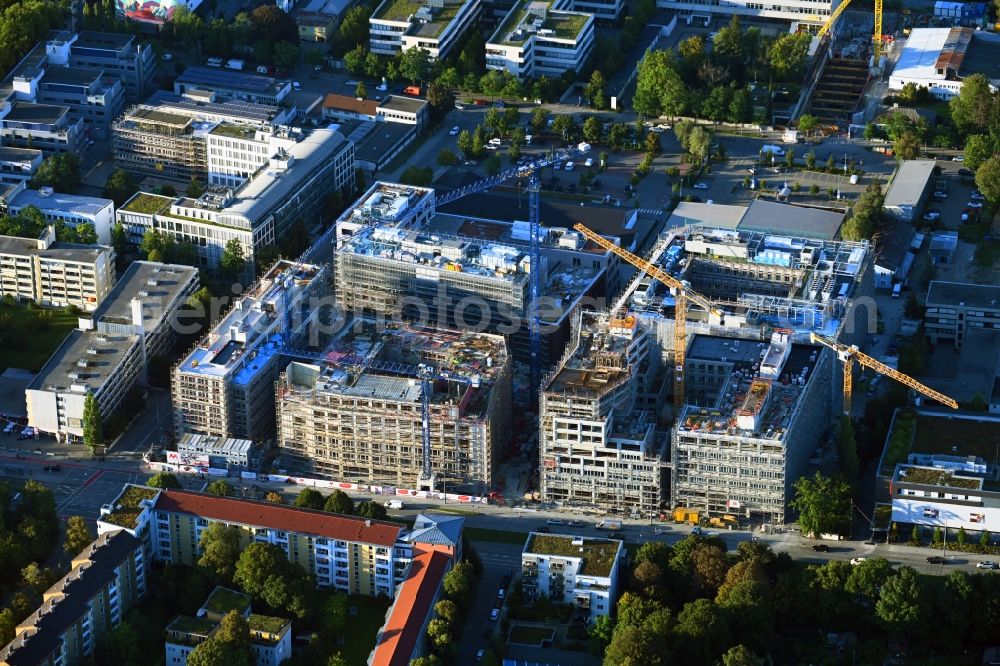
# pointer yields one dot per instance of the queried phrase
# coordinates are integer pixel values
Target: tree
(988, 179)
(808, 123)
(221, 488)
(85, 233)
(539, 119)
(961, 536)
(440, 99)
(727, 47)
(334, 613)
(220, 549)
(741, 106)
(564, 125)
(286, 55)
(274, 497)
(310, 498)
(372, 510)
(353, 30)
(595, 90)
(417, 175)
(119, 239)
(458, 583)
(354, 60)
(360, 91)
(647, 575)
(635, 646)
(978, 149)
(900, 606)
(264, 571)
(447, 610)
(709, 567)
(788, 54)
(740, 655)
(273, 25)
(823, 503)
(492, 165)
(865, 214)
(847, 450)
(93, 423)
(657, 552)
(60, 172)
(78, 535)
(652, 146)
(701, 632)
(339, 502)
(491, 83)
(592, 129)
(447, 158)
(906, 146)
(233, 261)
(975, 108)
(120, 187)
(984, 538)
(194, 188)
(465, 144)
(163, 480)
(415, 64)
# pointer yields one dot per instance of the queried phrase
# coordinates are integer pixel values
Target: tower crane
(848, 355)
(684, 294)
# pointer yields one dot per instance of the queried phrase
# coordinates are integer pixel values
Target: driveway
(497, 558)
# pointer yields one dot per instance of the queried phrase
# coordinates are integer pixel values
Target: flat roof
(690, 213)
(401, 103)
(531, 17)
(932, 433)
(964, 294)
(27, 247)
(92, 39)
(11, 154)
(214, 445)
(381, 139)
(350, 103)
(334, 7)
(782, 218)
(234, 110)
(192, 626)
(64, 203)
(982, 56)
(227, 79)
(71, 597)
(598, 555)
(921, 52)
(84, 361)
(909, 182)
(42, 114)
(73, 76)
(157, 285)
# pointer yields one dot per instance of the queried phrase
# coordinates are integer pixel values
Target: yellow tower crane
(684, 294)
(876, 37)
(850, 354)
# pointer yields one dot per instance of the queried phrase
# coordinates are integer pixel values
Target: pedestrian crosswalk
(652, 212)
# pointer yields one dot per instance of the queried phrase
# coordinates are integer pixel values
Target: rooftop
(598, 555)
(66, 203)
(247, 337)
(28, 247)
(397, 10)
(234, 131)
(187, 624)
(279, 517)
(933, 476)
(222, 600)
(227, 80)
(157, 285)
(147, 204)
(436, 529)
(402, 631)
(781, 218)
(11, 154)
(83, 362)
(536, 17)
(69, 599)
(266, 624)
(73, 76)
(127, 506)
(387, 200)
(144, 114)
(600, 361)
(908, 183)
(962, 294)
(350, 104)
(689, 213)
(90, 39)
(402, 103)
(376, 141)
(982, 56)
(236, 111)
(921, 52)
(39, 114)
(953, 434)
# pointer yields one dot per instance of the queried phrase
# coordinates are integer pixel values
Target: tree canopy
(823, 503)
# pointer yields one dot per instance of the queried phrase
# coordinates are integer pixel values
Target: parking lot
(498, 560)
(959, 191)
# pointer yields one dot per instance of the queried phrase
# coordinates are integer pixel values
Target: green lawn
(530, 635)
(363, 628)
(28, 337)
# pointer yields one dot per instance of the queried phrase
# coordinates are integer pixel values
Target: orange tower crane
(684, 294)
(848, 355)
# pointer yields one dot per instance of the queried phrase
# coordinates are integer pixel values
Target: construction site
(224, 386)
(398, 406)
(603, 439)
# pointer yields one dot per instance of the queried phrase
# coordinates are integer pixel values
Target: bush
(814, 189)
(419, 176)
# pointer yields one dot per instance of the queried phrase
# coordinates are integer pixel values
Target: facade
(117, 55)
(315, 27)
(224, 387)
(229, 85)
(599, 445)
(393, 109)
(56, 274)
(939, 59)
(433, 25)
(541, 37)
(347, 553)
(291, 187)
(146, 140)
(954, 310)
(235, 153)
(909, 189)
(604, 11)
(89, 94)
(577, 571)
(108, 352)
(222, 453)
(44, 127)
(805, 13)
(70, 209)
(104, 581)
(356, 414)
(948, 475)
(18, 165)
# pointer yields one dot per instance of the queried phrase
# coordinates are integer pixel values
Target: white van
(771, 148)
(214, 62)
(896, 289)
(262, 69)
(394, 504)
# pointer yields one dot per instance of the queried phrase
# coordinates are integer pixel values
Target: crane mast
(848, 355)
(684, 294)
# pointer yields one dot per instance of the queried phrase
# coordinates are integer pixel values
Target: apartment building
(347, 553)
(541, 37)
(230, 85)
(109, 350)
(18, 165)
(270, 637)
(105, 580)
(45, 127)
(69, 209)
(117, 55)
(356, 414)
(291, 187)
(800, 13)
(599, 443)
(224, 387)
(755, 411)
(577, 571)
(433, 25)
(56, 274)
(955, 309)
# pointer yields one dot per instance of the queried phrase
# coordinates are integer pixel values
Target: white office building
(799, 12)
(541, 37)
(70, 209)
(434, 25)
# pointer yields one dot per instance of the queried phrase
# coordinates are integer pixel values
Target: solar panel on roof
(226, 79)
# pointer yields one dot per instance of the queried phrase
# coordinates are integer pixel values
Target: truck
(771, 148)
(235, 64)
(396, 505)
(683, 515)
(412, 90)
(790, 136)
(725, 522)
(214, 62)
(609, 524)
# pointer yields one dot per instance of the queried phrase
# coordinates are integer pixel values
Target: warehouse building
(939, 59)
(909, 189)
(356, 414)
(602, 439)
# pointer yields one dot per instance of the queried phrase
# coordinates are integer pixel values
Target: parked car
(53, 468)
(500, 593)
(494, 614)
(296, 85)
(569, 166)
(977, 196)
(932, 215)
(557, 166)
(470, 162)
(936, 559)
(480, 654)
(821, 548)
(664, 126)
(940, 195)
(555, 521)
(575, 523)
(701, 186)
(543, 530)
(858, 560)
(958, 158)
(589, 162)
(167, 57)
(352, 83)
(974, 204)
(499, 104)
(968, 173)
(454, 130)
(657, 129)
(986, 564)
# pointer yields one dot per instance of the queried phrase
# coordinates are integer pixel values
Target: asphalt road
(497, 558)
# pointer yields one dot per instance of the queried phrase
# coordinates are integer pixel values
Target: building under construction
(356, 414)
(224, 387)
(602, 440)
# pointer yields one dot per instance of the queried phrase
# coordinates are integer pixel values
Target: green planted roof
(148, 204)
(126, 510)
(598, 555)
